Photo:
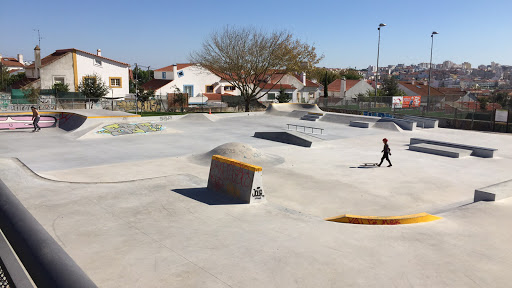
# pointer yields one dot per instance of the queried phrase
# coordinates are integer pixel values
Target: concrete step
(440, 150)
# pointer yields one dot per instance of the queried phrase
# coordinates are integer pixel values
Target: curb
(391, 220)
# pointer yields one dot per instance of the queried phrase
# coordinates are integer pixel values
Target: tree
(60, 87)
(93, 88)
(179, 98)
(501, 97)
(4, 78)
(350, 74)
(32, 94)
(483, 101)
(144, 96)
(282, 97)
(248, 58)
(390, 88)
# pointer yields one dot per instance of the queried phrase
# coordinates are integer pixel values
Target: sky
(160, 33)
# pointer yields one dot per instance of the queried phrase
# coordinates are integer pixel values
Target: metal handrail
(309, 127)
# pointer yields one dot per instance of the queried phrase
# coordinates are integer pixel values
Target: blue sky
(160, 33)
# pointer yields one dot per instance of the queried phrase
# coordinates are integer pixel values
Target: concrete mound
(196, 117)
(241, 152)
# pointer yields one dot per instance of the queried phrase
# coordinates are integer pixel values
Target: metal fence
(452, 112)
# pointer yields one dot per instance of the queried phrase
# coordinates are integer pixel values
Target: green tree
(502, 98)
(4, 78)
(60, 87)
(390, 88)
(350, 74)
(247, 58)
(93, 88)
(32, 94)
(282, 97)
(179, 98)
(483, 101)
(144, 96)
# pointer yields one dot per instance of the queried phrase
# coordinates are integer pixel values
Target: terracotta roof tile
(420, 89)
(11, 62)
(335, 86)
(269, 86)
(215, 96)
(171, 67)
(60, 53)
(23, 83)
(309, 83)
(155, 84)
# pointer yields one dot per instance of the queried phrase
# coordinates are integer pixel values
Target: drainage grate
(5, 281)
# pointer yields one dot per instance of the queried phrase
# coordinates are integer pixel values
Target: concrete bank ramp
(196, 117)
(241, 152)
(342, 118)
(387, 125)
(285, 109)
(288, 137)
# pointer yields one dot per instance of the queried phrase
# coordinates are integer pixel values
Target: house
(298, 87)
(416, 88)
(73, 66)
(192, 79)
(348, 90)
(12, 64)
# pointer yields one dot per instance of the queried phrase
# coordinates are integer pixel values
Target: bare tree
(248, 58)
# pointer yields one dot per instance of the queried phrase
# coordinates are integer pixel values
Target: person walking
(35, 119)
(387, 153)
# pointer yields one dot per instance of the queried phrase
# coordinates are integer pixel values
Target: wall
(193, 75)
(360, 87)
(63, 67)
(86, 66)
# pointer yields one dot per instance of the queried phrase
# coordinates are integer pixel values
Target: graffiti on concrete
(149, 106)
(117, 129)
(25, 122)
(257, 193)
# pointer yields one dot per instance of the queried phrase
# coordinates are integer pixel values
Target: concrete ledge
(440, 150)
(240, 180)
(424, 122)
(391, 220)
(360, 124)
(292, 138)
(483, 152)
(494, 192)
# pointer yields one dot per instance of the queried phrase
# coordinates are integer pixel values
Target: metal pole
(136, 90)
(430, 70)
(377, 72)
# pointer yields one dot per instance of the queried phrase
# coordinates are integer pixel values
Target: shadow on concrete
(208, 197)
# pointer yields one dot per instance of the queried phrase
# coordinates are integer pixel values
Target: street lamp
(377, 73)
(430, 70)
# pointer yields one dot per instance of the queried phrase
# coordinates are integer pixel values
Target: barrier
(237, 179)
(425, 122)
(377, 220)
(45, 261)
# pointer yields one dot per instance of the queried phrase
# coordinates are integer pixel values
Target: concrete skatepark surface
(133, 211)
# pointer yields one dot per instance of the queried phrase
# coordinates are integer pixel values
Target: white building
(348, 89)
(73, 66)
(191, 79)
(298, 87)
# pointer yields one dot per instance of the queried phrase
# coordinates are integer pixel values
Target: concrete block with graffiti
(237, 179)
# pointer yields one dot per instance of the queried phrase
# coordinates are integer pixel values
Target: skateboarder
(387, 153)
(35, 118)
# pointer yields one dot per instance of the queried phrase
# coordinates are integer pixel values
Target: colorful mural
(117, 129)
(11, 122)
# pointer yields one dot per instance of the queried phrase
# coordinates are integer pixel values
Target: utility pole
(136, 90)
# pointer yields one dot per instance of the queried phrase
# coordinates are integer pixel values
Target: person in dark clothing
(387, 153)
(35, 118)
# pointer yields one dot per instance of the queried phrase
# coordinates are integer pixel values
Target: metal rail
(312, 128)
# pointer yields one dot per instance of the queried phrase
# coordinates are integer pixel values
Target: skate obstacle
(483, 152)
(240, 180)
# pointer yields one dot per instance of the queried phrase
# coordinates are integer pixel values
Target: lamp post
(430, 70)
(377, 72)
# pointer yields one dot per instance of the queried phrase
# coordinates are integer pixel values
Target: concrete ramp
(346, 118)
(386, 125)
(196, 117)
(291, 137)
(284, 109)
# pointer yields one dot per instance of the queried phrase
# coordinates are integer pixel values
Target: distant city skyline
(160, 33)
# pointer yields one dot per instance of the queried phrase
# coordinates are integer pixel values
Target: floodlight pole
(430, 70)
(377, 72)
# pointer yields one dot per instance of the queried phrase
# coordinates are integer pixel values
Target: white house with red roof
(12, 64)
(73, 66)
(298, 87)
(348, 90)
(199, 83)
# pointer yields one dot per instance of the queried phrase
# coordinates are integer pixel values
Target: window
(58, 79)
(164, 74)
(209, 89)
(189, 89)
(97, 62)
(229, 88)
(271, 96)
(115, 82)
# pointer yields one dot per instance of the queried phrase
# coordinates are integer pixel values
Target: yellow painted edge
(75, 70)
(237, 163)
(387, 220)
(50, 112)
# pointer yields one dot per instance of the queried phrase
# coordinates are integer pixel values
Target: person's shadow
(208, 196)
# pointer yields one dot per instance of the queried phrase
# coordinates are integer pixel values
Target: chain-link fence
(5, 280)
(451, 111)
